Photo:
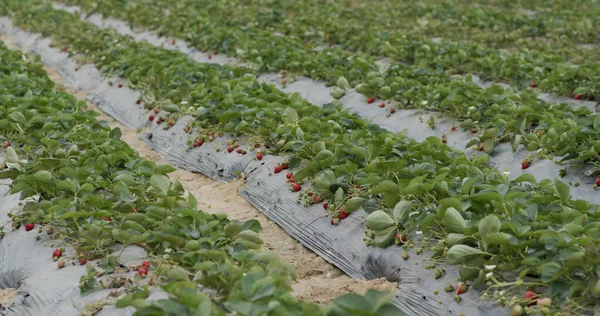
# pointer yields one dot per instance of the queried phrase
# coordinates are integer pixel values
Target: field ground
(448, 154)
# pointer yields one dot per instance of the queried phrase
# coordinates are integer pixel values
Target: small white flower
(184, 102)
(471, 108)
(419, 232)
(165, 256)
(506, 173)
(492, 267)
(424, 102)
(103, 58)
(489, 275)
(168, 250)
(502, 293)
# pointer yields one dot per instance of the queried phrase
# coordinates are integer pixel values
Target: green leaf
(497, 238)
(17, 117)
(353, 204)
(178, 274)
(459, 254)
(563, 190)
(401, 211)
(516, 141)
(454, 221)
(550, 271)
(337, 93)
(379, 220)
(486, 197)
(386, 187)
(66, 185)
(43, 176)
(160, 182)
(526, 177)
(343, 83)
(251, 236)
(489, 224)
(171, 108)
(290, 115)
(385, 237)
(454, 239)
(115, 133)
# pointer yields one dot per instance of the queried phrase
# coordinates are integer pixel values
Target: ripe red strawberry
(135, 210)
(146, 264)
(444, 140)
(195, 144)
(82, 261)
(392, 110)
(370, 100)
(343, 214)
(325, 205)
(473, 130)
(524, 165)
(173, 42)
(215, 52)
(256, 145)
(317, 199)
(142, 271)
(531, 297)
(400, 239)
(296, 187)
(382, 105)
(453, 128)
(239, 150)
(277, 169)
(284, 165)
(156, 111)
(289, 175)
(229, 149)
(29, 226)
(480, 146)
(108, 219)
(120, 85)
(244, 152)
(461, 287)
(6, 144)
(150, 117)
(209, 56)
(577, 96)
(533, 84)
(598, 182)
(259, 156)
(138, 101)
(56, 253)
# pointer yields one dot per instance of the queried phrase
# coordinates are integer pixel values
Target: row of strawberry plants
(321, 23)
(497, 230)
(273, 52)
(495, 114)
(568, 7)
(94, 191)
